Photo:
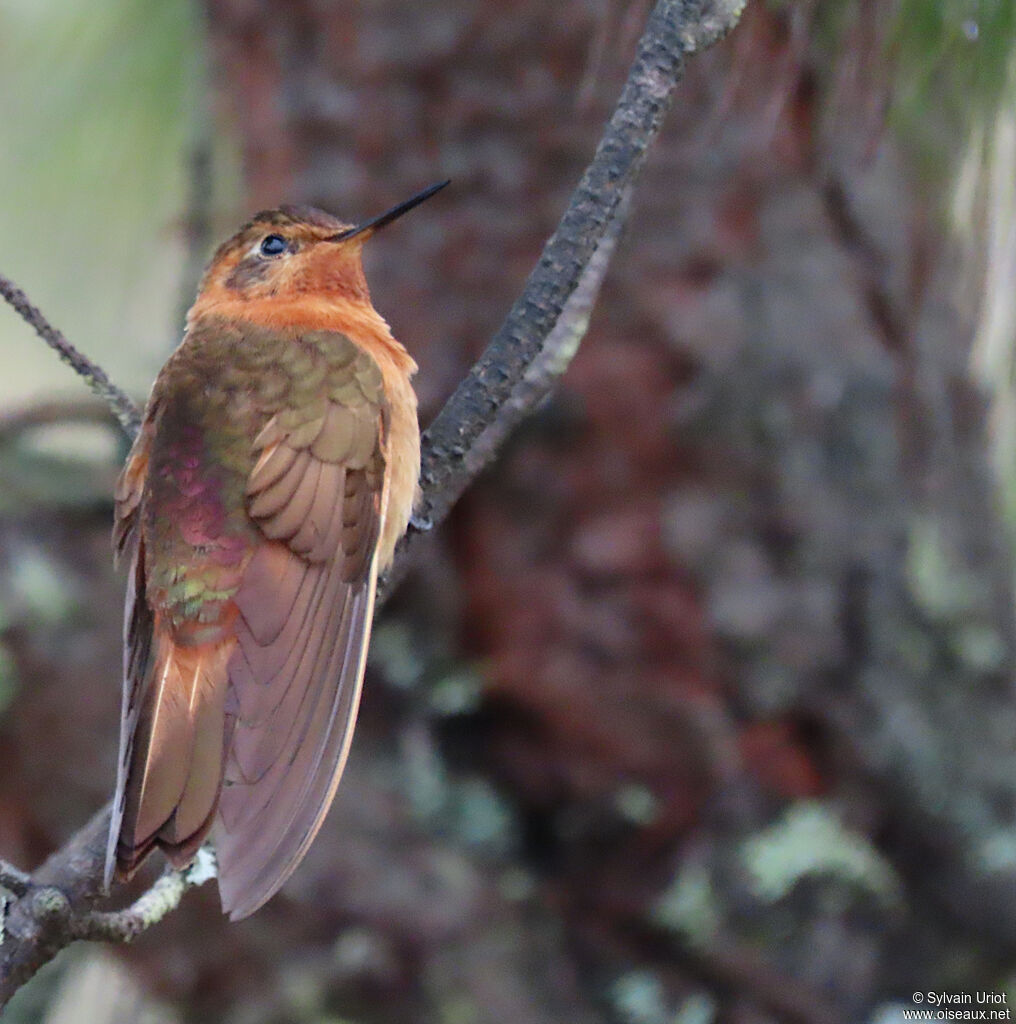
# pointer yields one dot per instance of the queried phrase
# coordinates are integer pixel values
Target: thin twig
(123, 408)
(149, 908)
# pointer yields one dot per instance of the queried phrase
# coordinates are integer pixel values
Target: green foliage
(958, 50)
(943, 64)
(952, 59)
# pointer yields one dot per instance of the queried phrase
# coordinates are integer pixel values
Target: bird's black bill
(393, 214)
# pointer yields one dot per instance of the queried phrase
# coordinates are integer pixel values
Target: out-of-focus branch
(16, 422)
(520, 366)
(197, 223)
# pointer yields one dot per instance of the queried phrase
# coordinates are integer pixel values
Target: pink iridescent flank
(193, 526)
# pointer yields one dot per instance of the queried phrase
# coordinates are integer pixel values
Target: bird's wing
(305, 604)
(137, 631)
(130, 486)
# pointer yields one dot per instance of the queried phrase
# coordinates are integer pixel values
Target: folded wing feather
(305, 607)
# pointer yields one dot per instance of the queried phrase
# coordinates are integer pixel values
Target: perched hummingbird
(273, 475)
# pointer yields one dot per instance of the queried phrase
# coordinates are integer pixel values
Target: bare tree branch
(675, 30)
(37, 925)
(520, 366)
(123, 408)
(557, 351)
(54, 906)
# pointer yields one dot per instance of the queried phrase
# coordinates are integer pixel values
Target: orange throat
(354, 317)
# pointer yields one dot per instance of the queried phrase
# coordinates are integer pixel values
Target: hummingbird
(275, 470)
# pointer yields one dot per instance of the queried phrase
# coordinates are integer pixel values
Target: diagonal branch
(120, 404)
(55, 905)
(675, 30)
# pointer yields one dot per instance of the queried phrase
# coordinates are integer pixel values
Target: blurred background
(701, 707)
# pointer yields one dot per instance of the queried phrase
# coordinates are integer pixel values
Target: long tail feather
(173, 756)
(295, 678)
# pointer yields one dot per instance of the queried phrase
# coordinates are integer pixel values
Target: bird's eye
(273, 245)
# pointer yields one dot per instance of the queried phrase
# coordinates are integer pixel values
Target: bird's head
(294, 254)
